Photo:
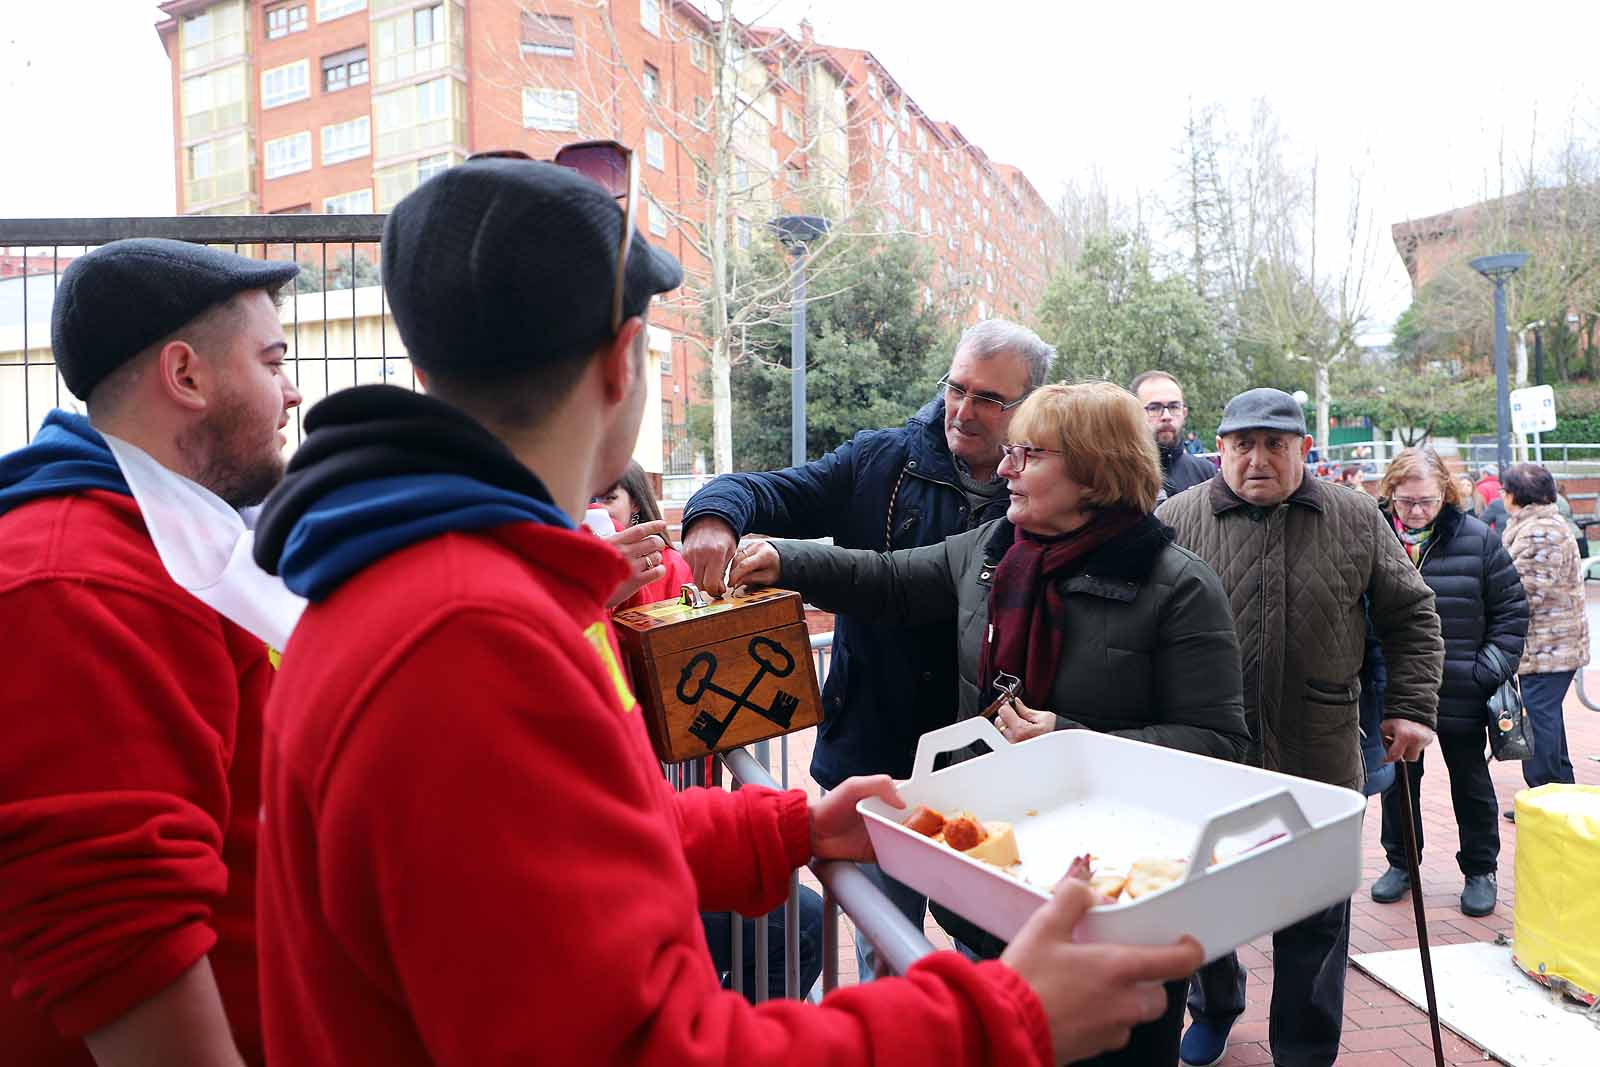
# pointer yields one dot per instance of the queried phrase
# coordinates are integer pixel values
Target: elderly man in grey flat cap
(1304, 563)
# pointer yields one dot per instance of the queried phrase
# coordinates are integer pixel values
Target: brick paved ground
(1381, 1029)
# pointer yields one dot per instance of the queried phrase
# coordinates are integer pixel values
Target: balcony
(229, 184)
(205, 123)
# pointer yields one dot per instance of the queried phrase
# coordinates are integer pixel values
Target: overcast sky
(1418, 95)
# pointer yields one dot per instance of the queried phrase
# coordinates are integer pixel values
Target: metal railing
(337, 337)
(844, 888)
(1565, 459)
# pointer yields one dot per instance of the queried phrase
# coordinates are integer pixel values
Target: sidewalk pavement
(1381, 1029)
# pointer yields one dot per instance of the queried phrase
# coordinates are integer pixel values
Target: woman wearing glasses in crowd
(1483, 616)
(1078, 591)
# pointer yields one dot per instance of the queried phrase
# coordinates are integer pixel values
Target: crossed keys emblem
(698, 678)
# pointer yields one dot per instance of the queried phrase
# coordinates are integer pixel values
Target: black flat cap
(1263, 409)
(502, 265)
(116, 300)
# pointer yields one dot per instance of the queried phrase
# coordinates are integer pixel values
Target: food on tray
(995, 843)
(1153, 875)
(925, 821)
(992, 842)
(998, 847)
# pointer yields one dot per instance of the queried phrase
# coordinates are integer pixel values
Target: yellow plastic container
(1556, 931)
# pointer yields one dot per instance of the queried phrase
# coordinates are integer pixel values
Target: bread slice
(999, 848)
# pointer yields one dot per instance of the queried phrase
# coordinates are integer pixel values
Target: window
(346, 140)
(702, 112)
(201, 161)
(427, 168)
(213, 101)
(651, 82)
(922, 137)
(741, 174)
(332, 9)
(427, 25)
(284, 20)
(922, 179)
(791, 124)
(666, 368)
(655, 149)
(872, 85)
(702, 178)
(877, 136)
(658, 217)
(650, 16)
(699, 53)
(741, 230)
(550, 109)
(289, 155)
(344, 69)
(286, 84)
(213, 35)
(356, 203)
(547, 35)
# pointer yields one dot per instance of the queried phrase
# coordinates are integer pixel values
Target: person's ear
(184, 378)
(618, 365)
(1219, 442)
(1306, 445)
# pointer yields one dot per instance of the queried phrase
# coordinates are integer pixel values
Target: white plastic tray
(1123, 800)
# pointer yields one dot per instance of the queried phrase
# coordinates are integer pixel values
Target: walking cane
(1413, 865)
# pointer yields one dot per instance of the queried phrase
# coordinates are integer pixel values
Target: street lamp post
(1498, 269)
(797, 232)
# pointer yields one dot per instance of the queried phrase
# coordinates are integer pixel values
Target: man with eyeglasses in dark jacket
(903, 487)
(1162, 398)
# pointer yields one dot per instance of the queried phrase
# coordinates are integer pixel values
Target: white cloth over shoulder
(206, 545)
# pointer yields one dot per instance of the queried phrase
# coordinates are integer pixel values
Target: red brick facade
(819, 121)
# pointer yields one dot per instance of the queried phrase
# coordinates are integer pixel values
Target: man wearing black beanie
(469, 852)
(129, 779)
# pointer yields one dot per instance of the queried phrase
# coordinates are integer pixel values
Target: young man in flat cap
(469, 853)
(129, 776)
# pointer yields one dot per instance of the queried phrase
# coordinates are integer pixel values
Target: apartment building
(344, 106)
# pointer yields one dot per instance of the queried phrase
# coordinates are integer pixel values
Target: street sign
(1533, 410)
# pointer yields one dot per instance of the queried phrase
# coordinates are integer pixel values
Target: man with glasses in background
(1162, 398)
(1298, 557)
(885, 489)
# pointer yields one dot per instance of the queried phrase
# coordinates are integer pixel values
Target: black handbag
(1510, 732)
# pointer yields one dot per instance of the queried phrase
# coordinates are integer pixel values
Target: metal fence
(336, 319)
(844, 888)
(1574, 460)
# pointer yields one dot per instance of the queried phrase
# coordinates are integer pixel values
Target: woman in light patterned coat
(1546, 555)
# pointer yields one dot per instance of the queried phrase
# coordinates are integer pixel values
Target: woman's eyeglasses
(615, 168)
(1018, 454)
(1424, 503)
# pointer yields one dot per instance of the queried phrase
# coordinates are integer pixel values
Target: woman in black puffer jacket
(1484, 617)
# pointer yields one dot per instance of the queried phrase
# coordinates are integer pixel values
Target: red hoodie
(129, 781)
(469, 855)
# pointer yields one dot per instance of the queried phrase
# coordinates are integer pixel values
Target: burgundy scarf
(1025, 635)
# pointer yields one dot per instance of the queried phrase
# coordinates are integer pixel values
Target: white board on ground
(1485, 999)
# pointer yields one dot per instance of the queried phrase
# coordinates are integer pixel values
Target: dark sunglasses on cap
(614, 167)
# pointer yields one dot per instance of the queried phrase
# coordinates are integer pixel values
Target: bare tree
(726, 138)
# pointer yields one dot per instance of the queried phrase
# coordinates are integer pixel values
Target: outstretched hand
(838, 831)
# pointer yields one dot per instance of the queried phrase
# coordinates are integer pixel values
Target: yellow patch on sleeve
(600, 638)
(274, 657)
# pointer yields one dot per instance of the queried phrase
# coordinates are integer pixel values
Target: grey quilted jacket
(1295, 575)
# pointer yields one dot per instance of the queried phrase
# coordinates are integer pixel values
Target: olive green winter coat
(1299, 577)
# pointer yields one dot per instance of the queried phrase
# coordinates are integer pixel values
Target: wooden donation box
(723, 675)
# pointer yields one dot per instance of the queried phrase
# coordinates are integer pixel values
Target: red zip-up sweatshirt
(469, 855)
(129, 781)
